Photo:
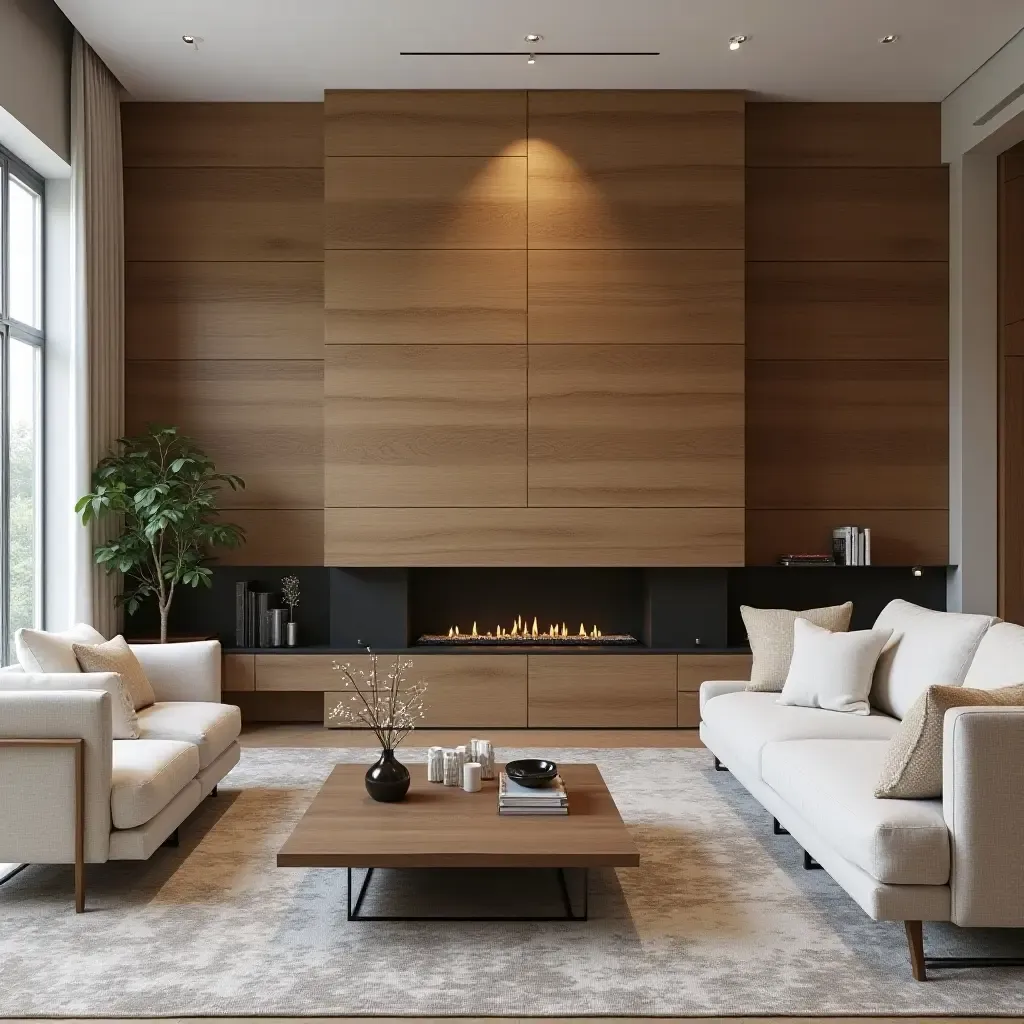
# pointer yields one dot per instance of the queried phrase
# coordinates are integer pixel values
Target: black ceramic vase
(388, 779)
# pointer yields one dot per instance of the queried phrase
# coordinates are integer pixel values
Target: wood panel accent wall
(534, 328)
(224, 303)
(1011, 384)
(847, 329)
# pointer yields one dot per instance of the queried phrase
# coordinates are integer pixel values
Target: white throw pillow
(39, 651)
(928, 648)
(832, 670)
(123, 720)
(999, 660)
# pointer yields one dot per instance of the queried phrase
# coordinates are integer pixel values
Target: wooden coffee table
(443, 827)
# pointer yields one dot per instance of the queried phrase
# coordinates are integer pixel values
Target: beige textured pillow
(770, 632)
(913, 763)
(116, 656)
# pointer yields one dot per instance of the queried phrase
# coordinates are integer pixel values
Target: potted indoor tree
(162, 489)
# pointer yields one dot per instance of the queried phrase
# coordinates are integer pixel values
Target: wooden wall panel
(222, 134)
(884, 310)
(223, 213)
(847, 434)
(883, 214)
(425, 123)
(844, 134)
(847, 329)
(908, 536)
(636, 425)
(425, 425)
(258, 419)
(533, 536)
(238, 673)
(276, 537)
(636, 170)
(425, 296)
(694, 669)
(224, 310)
(425, 203)
(602, 691)
(1011, 295)
(636, 296)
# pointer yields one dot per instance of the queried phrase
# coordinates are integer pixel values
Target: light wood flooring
(516, 1020)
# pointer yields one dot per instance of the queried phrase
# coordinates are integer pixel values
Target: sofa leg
(777, 829)
(79, 887)
(810, 864)
(173, 840)
(915, 940)
(213, 792)
(719, 767)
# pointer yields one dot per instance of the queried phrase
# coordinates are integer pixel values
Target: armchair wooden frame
(79, 747)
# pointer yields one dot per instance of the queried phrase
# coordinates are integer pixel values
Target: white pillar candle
(471, 777)
(435, 764)
(452, 768)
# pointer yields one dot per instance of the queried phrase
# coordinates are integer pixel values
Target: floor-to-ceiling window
(21, 341)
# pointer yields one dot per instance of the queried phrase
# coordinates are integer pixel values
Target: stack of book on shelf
(516, 799)
(851, 545)
(251, 619)
(806, 560)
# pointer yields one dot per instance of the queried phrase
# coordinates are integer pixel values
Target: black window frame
(11, 328)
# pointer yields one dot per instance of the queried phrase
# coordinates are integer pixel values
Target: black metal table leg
(353, 911)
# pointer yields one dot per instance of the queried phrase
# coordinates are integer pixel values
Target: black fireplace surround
(667, 610)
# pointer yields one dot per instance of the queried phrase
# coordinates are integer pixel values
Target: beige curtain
(98, 367)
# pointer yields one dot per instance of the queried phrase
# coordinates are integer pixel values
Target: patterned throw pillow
(116, 656)
(913, 763)
(770, 632)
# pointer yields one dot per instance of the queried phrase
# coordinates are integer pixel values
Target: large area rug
(721, 919)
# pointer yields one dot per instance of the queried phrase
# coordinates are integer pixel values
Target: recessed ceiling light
(189, 40)
(736, 42)
(889, 38)
(532, 59)
(533, 37)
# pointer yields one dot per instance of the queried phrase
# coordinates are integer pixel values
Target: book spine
(263, 617)
(861, 547)
(838, 554)
(241, 590)
(867, 545)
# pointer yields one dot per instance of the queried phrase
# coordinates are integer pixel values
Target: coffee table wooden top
(442, 826)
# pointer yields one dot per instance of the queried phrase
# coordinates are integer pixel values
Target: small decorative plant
(391, 706)
(162, 490)
(290, 594)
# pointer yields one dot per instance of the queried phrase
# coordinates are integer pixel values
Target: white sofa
(958, 859)
(70, 794)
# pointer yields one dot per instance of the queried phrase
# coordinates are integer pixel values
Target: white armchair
(70, 794)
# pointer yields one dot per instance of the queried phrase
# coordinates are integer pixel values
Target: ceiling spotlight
(889, 38)
(533, 37)
(736, 42)
(189, 40)
(532, 59)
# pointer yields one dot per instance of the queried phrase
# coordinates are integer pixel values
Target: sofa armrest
(182, 672)
(717, 687)
(983, 804)
(37, 781)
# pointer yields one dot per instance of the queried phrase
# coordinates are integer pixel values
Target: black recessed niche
(666, 609)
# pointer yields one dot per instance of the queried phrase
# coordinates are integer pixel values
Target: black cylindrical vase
(388, 779)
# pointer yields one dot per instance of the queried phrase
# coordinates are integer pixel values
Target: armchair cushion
(182, 672)
(39, 651)
(123, 722)
(146, 776)
(211, 727)
(116, 656)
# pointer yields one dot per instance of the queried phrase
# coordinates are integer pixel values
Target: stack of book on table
(516, 799)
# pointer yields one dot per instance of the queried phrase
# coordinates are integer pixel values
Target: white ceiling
(294, 49)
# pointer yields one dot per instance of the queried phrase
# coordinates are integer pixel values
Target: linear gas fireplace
(523, 633)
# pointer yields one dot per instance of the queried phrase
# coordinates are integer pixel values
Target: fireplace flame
(523, 629)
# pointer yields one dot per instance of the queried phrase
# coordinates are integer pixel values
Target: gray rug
(721, 919)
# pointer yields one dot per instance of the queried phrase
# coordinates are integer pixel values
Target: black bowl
(531, 772)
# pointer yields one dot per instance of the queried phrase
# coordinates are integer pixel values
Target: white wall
(35, 78)
(971, 151)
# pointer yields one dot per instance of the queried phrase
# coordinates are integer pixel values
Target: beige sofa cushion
(146, 776)
(830, 784)
(211, 727)
(928, 648)
(40, 651)
(770, 632)
(116, 656)
(913, 763)
(999, 660)
(744, 722)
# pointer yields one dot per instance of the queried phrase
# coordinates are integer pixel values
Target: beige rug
(721, 919)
